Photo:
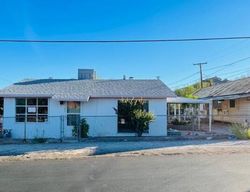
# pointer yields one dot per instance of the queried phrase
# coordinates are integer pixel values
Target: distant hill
(216, 80)
(188, 91)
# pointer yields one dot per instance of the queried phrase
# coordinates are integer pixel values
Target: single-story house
(231, 100)
(49, 107)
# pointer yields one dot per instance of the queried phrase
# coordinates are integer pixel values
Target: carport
(177, 101)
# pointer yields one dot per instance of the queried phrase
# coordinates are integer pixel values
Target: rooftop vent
(86, 74)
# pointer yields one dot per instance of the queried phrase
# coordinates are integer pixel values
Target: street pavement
(196, 172)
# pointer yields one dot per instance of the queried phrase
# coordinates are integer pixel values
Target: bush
(84, 129)
(142, 119)
(177, 122)
(240, 131)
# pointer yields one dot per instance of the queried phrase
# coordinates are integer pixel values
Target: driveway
(222, 173)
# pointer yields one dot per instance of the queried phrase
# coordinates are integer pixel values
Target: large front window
(31, 109)
(73, 113)
(126, 123)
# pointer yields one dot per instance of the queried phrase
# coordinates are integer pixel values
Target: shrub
(84, 129)
(177, 122)
(142, 119)
(240, 130)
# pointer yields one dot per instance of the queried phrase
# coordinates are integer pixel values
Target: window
(73, 113)
(232, 103)
(217, 104)
(31, 109)
(125, 122)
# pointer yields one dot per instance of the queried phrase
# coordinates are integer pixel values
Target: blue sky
(123, 19)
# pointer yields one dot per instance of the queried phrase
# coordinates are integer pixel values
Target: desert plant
(240, 130)
(142, 119)
(84, 129)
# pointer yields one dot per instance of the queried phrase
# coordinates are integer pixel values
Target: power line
(227, 50)
(210, 75)
(226, 65)
(124, 41)
(183, 79)
(235, 73)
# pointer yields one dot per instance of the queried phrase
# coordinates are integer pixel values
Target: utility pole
(200, 65)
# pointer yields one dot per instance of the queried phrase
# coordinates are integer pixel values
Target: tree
(188, 91)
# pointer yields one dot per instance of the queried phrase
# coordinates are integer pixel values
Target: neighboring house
(49, 107)
(231, 100)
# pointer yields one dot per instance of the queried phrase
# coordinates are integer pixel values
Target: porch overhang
(181, 100)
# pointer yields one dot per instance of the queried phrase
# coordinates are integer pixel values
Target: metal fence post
(25, 131)
(61, 126)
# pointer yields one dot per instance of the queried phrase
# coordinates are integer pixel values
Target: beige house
(231, 100)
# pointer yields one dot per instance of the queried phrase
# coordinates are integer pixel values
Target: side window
(20, 109)
(232, 103)
(73, 113)
(31, 109)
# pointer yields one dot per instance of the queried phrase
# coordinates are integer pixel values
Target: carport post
(210, 114)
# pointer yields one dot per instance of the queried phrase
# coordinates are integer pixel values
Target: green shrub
(84, 129)
(142, 119)
(240, 131)
(177, 122)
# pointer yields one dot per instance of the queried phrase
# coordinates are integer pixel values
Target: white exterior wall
(50, 129)
(159, 126)
(101, 117)
(99, 114)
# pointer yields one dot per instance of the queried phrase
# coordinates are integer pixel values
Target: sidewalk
(86, 149)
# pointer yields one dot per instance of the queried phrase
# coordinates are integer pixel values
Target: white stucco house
(48, 107)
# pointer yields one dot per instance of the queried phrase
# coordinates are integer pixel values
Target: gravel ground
(86, 149)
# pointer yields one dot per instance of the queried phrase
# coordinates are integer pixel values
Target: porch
(189, 116)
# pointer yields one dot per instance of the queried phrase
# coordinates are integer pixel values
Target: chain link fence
(69, 127)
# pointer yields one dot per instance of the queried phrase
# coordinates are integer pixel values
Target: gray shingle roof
(240, 86)
(71, 89)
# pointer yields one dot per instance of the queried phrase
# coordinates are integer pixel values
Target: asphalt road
(228, 172)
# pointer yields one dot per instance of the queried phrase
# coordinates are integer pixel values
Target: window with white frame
(31, 109)
(73, 113)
